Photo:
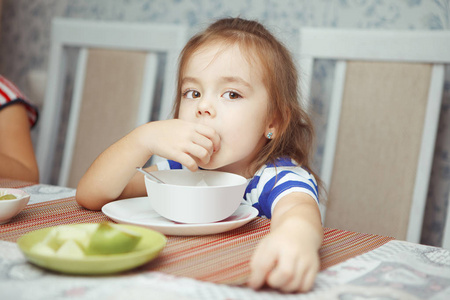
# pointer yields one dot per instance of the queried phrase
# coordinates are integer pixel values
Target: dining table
(354, 265)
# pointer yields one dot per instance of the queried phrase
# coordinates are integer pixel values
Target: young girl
(236, 111)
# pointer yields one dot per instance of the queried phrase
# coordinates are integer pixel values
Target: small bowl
(10, 208)
(195, 197)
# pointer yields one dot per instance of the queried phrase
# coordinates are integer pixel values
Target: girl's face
(222, 90)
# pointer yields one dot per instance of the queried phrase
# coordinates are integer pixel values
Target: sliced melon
(70, 249)
(69, 233)
(42, 249)
(112, 239)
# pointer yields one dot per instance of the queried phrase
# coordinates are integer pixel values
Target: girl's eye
(192, 94)
(231, 95)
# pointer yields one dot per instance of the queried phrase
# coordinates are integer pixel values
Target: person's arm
(287, 258)
(17, 159)
(113, 174)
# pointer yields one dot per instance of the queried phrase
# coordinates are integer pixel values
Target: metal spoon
(152, 177)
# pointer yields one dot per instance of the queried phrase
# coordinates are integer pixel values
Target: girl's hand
(185, 142)
(288, 258)
(284, 262)
(113, 174)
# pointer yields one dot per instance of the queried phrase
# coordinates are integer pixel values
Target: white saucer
(138, 211)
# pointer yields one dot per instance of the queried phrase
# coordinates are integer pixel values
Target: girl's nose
(205, 108)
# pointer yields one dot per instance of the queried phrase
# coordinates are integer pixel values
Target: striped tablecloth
(219, 258)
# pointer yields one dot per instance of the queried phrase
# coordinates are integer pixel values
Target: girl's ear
(271, 130)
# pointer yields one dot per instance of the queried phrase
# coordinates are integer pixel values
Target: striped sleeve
(10, 94)
(271, 184)
(169, 165)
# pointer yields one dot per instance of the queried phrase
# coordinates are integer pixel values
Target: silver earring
(269, 135)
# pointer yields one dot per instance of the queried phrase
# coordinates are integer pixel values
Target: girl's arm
(287, 259)
(113, 174)
(17, 159)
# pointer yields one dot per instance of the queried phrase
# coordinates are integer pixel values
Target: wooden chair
(382, 124)
(119, 72)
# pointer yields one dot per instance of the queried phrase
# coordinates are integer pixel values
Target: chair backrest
(381, 126)
(120, 72)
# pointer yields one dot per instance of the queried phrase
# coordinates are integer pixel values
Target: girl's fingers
(205, 143)
(187, 161)
(297, 281)
(309, 278)
(211, 134)
(216, 142)
(304, 276)
(199, 153)
(284, 272)
(260, 267)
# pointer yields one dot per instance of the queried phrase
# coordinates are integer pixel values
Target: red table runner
(218, 258)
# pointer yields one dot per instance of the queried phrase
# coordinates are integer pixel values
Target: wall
(25, 32)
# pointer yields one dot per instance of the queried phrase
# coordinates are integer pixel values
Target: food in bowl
(12, 203)
(195, 197)
(8, 197)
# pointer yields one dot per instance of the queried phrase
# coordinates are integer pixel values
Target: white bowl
(10, 208)
(195, 197)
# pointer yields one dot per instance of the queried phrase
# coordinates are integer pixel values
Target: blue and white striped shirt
(270, 183)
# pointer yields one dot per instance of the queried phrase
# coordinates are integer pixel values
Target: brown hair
(295, 135)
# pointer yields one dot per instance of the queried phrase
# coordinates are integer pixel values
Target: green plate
(148, 248)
